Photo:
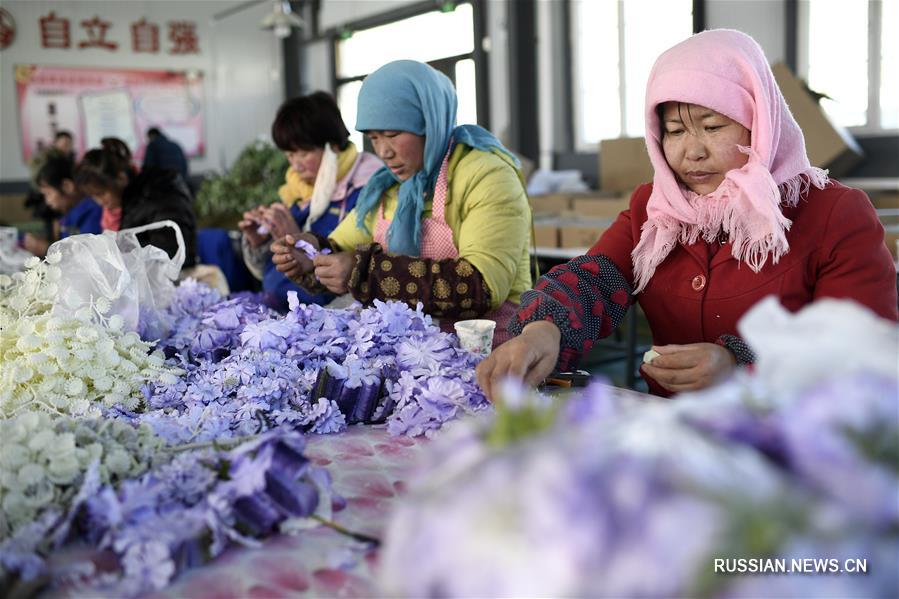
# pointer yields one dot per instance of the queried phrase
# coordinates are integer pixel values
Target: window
(615, 45)
(445, 40)
(849, 51)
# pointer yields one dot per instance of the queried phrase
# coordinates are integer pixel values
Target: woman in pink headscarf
(734, 213)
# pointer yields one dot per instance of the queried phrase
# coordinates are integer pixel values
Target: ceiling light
(281, 20)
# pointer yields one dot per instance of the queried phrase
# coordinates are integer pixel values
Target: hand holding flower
(529, 357)
(333, 270)
(689, 367)
(289, 260)
(249, 226)
(280, 221)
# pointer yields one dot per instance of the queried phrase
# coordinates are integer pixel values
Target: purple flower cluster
(841, 438)
(204, 326)
(313, 369)
(192, 508)
(619, 498)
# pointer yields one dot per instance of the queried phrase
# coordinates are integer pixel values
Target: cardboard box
(546, 235)
(891, 239)
(601, 205)
(13, 209)
(551, 203)
(582, 234)
(888, 216)
(884, 200)
(623, 164)
(828, 145)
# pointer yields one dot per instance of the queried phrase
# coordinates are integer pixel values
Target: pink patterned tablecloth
(368, 468)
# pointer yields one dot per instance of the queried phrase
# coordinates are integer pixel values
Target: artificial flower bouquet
(717, 493)
(135, 535)
(68, 364)
(248, 369)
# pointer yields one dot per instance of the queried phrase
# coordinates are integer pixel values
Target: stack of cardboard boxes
(576, 220)
(887, 205)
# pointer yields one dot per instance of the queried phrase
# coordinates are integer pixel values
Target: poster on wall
(97, 103)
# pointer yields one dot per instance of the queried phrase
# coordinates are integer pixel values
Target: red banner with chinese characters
(98, 103)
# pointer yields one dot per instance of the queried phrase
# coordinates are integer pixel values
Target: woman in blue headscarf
(446, 222)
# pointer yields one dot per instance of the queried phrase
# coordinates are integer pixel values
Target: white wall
(762, 19)
(241, 65)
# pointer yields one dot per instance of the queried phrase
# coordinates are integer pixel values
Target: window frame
(575, 102)
(873, 127)
(445, 65)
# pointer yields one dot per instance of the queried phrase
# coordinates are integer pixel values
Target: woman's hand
(249, 225)
(333, 270)
(289, 260)
(280, 221)
(529, 357)
(690, 367)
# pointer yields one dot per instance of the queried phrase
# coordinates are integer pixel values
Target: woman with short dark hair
(321, 185)
(107, 174)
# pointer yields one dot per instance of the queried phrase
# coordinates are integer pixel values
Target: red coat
(700, 292)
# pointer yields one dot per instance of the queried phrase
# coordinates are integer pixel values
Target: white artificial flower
(31, 474)
(103, 383)
(25, 327)
(49, 292)
(87, 334)
(41, 440)
(28, 342)
(63, 470)
(53, 257)
(63, 445)
(112, 399)
(102, 305)
(48, 368)
(115, 323)
(118, 462)
(131, 403)
(13, 455)
(79, 407)
(32, 262)
(167, 378)
(23, 374)
(16, 507)
(85, 354)
(5, 281)
(18, 303)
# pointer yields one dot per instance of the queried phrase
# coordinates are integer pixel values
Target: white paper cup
(476, 336)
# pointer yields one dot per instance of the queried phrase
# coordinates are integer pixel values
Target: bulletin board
(98, 103)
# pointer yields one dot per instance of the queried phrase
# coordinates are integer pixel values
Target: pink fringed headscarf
(726, 71)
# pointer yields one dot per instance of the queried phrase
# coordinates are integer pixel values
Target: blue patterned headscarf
(406, 95)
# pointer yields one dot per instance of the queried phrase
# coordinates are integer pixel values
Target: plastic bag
(136, 282)
(12, 257)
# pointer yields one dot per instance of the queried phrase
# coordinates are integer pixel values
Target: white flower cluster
(43, 460)
(67, 365)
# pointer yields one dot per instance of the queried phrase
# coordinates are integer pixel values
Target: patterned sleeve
(255, 258)
(308, 282)
(447, 288)
(586, 298)
(739, 348)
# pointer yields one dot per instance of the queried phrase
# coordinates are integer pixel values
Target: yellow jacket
(488, 211)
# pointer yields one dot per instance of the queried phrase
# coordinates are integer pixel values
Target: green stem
(354, 535)
(226, 443)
